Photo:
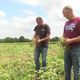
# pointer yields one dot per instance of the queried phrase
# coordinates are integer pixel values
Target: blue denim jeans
(72, 58)
(37, 52)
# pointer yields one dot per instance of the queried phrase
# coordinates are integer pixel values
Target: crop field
(17, 62)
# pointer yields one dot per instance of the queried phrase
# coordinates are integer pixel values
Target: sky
(17, 17)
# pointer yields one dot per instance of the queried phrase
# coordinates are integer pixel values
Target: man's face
(39, 21)
(66, 13)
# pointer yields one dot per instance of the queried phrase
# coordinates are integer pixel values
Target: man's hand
(39, 40)
(34, 41)
(67, 41)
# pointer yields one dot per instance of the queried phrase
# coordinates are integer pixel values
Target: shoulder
(78, 22)
(66, 23)
(78, 19)
(35, 28)
(46, 26)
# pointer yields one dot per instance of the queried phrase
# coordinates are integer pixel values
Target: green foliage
(22, 39)
(55, 39)
(17, 62)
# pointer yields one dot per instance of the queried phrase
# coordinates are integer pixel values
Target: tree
(55, 39)
(22, 39)
(8, 39)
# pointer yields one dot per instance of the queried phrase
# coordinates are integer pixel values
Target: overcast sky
(17, 17)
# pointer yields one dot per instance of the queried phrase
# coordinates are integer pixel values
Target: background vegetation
(17, 60)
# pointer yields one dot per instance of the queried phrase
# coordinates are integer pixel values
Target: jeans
(37, 52)
(72, 58)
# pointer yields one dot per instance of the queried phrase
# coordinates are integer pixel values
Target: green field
(17, 62)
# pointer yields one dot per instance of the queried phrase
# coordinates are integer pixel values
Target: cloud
(29, 12)
(30, 2)
(53, 9)
(17, 25)
(23, 26)
(2, 13)
(54, 18)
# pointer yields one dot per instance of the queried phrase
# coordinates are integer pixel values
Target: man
(41, 37)
(72, 42)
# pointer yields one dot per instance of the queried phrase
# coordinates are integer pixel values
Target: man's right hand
(34, 41)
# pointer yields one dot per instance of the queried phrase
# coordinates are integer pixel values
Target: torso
(71, 29)
(41, 31)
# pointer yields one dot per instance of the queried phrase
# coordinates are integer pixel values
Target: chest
(70, 27)
(41, 30)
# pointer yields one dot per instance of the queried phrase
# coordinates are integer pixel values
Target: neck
(72, 17)
(40, 24)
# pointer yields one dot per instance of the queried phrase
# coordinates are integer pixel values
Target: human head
(39, 21)
(68, 12)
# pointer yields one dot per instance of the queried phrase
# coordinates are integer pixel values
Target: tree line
(11, 40)
(22, 39)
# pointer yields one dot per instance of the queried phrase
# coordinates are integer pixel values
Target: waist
(73, 45)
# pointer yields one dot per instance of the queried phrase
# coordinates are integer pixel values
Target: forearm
(46, 38)
(77, 39)
(34, 37)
